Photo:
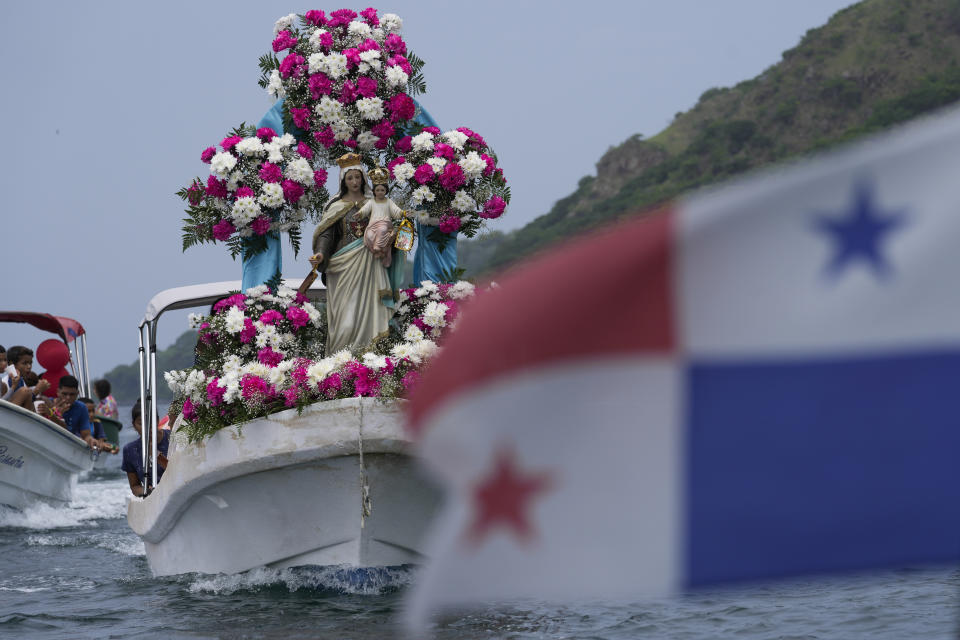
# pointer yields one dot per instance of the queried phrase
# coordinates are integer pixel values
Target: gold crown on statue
(349, 160)
(379, 176)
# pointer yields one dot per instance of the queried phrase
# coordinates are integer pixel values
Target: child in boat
(99, 435)
(132, 455)
(378, 235)
(107, 407)
(19, 392)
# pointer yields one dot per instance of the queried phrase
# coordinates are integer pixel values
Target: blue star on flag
(859, 235)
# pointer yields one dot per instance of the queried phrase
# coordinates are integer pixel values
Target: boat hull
(289, 490)
(39, 461)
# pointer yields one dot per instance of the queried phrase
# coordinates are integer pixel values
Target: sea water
(79, 572)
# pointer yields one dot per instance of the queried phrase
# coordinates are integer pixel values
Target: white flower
(328, 110)
(455, 139)
(250, 146)
(374, 361)
(300, 171)
(222, 164)
(275, 87)
(403, 172)
(460, 290)
(378, 34)
(194, 320)
(341, 130)
(267, 334)
(422, 194)
(244, 211)
(342, 357)
(437, 163)
(316, 318)
(425, 348)
(284, 23)
(232, 364)
(463, 202)
(245, 232)
(317, 62)
(283, 291)
(255, 368)
(402, 296)
(397, 77)
(422, 141)
(366, 140)
(275, 376)
(473, 165)
(320, 370)
(435, 314)
(405, 350)
(391, 23)
(257, 291)
(413, 333)
(371, 58)
(234, 181)
(335, 65)
(359, 30)
(233, 321)
(286, 140)
(274, 151)
(271, 195)
(370, 108)
(426, 288)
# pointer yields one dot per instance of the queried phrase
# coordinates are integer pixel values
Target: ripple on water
(372, 581)
(98, 500)
(127, 545)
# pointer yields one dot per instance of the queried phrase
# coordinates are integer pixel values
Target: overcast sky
(108, 105)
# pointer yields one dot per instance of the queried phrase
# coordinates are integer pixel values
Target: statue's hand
(316, 259)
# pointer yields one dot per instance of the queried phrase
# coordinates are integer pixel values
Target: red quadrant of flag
(566, 305)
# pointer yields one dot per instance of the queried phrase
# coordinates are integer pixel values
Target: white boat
(39, 460)
(332, 485)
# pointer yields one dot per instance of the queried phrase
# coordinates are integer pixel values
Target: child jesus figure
(378, 236)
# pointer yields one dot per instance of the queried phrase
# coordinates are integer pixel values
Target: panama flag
(762, 380)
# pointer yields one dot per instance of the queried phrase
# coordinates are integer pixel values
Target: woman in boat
(360, 290)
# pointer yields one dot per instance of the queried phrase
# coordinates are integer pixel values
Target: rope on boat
(365, 503)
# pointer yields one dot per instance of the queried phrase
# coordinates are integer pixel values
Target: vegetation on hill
(874, 64)
(125, 378)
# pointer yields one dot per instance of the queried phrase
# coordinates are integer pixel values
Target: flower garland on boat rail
(260, 352)
(259, 183)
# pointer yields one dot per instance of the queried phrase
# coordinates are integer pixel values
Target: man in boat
(99, 435)
(69, 412)
(133, 456)
(18, 392)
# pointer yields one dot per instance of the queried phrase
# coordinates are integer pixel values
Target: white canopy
(199, 295)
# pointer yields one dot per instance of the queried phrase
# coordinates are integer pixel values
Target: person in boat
(132, 463)
(69, 413)
(18, 391)
(4, 376)
(97, 427)
(107, 407)
(359, 288)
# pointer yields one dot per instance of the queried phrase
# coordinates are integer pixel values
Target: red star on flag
(504, 497)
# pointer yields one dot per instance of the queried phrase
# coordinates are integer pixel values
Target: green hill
(125, 378)
(874, 64)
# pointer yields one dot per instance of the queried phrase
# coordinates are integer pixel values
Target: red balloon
(53, 355)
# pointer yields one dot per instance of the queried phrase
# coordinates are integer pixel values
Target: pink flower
(320, 178)
(493, 208)
(341, 18)
(304, 151)
(402, 62)
(383, 129)
(395, 44)
(366, 86)
(452, 310)
(290, 397)
(435, 131)
(491, 165)
(223, 230)
(410, 380)
(266, 134)
(270, 316)
(270, 172)
(423, 174)
(365, 382)
(215, 392)
(269, 357)
(230, 142)
(404, 144)
(260, 225)
(299, 373)
(316, 17)
(237, 300)
(393, 163)
(189, 411)
(244, 192)
(452, 177)
(301, 117)
(370, 15)
(320, 85)
(300, 298)
(350, 143)
(208, 154)
(349, 93)
(325, 137)
(255, 389)
(449, 223)
(292, 65)
(331, 385)
(216, 188)
(195, 193)
(248, 332)
(208, 337)
(401, 107)
(292, 191)
(390, 366)
(284, 40)
(297, 317)
(353, 57)
(368, 45)
(325, 40)
(442, 150)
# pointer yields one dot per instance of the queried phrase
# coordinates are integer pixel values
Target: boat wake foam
(127, 545)
(348, 580)
(91, 501)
